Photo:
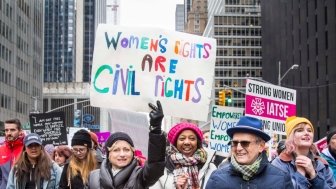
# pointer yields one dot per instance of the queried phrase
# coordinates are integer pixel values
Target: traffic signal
(221, 98)
(228, 97)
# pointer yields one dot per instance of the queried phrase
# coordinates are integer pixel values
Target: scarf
(187, 165)
(248, 171)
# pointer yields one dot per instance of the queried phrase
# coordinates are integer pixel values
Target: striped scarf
(187, 165)
(248, 171)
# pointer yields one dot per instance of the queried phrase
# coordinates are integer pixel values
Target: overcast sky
(154, 13)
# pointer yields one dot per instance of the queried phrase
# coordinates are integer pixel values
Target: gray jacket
(133, 176)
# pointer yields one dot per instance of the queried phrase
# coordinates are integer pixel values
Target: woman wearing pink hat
(187, 163)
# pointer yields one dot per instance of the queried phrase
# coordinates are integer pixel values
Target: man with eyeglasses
(11, 149)
(248, 166)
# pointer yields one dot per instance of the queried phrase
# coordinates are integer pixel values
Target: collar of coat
(263, 164)
(120, 179)
(289, 158)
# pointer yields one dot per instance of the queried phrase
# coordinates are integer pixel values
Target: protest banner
(134, 66)
(321, 144)
(222, 118)
(50, 127)
(270, 103)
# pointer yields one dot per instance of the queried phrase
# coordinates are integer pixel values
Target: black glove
(156, 116)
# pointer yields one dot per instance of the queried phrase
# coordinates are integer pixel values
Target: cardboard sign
(222, 118)
(50, 127)
(134, 66)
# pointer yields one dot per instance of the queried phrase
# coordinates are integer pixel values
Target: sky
(153, 13)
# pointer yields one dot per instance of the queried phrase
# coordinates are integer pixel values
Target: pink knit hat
(175, 131)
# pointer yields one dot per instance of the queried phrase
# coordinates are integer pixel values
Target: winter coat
(267, 177)
(330, 159)
(133, 176)
(9, 152)
(76, 182)
(55, 170)
(323, 180)
(167, 180)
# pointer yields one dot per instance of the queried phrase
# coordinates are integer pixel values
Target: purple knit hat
(175, 131)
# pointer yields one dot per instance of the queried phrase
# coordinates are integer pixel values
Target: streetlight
(293, 67)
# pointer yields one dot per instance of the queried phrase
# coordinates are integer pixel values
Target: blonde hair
(81, 167)
(115, 143)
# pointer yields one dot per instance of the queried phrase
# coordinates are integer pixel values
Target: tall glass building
(21, 58)
(236, 26)
(59, 41)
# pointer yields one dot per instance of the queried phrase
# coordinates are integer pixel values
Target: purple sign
(102, 136)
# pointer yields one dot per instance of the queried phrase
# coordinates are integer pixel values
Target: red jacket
(9, 153)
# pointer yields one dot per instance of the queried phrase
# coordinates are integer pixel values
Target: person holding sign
(307, 170)
(34, 168)
(121, 169)
(187, 164)
(248, 166)
(75, 174)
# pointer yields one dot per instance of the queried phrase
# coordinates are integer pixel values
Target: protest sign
(50, 127)
(270, 103)
(321, 144)
(134, 66)
(222, 118)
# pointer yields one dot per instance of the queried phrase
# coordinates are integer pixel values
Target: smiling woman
(306, 169)
(188, 163)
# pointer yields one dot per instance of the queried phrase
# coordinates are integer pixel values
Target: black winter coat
(267, 177)
(133, 176)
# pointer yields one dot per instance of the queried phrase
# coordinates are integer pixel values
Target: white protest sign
(134, 66)
(134, 124)
(222, 118)
(270, 103)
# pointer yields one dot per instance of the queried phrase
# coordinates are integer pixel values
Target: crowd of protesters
(185, 162)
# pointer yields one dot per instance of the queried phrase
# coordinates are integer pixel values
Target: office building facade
(21, 58)
(237, 28)
(304, 33)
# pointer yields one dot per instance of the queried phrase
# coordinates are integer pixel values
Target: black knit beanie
(82, 138)
(332, 133)
(115, 137)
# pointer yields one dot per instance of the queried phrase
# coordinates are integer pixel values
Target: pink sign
(268, 108)
(321, 144)
(102, 136)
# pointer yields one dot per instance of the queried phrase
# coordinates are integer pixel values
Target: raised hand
(156, 116)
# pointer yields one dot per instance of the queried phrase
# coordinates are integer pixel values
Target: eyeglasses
(244, 144)
(79, 150)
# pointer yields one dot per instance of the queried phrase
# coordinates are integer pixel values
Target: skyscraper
(21, 58)
(304, 33)
(59, 41)
(237, 28)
